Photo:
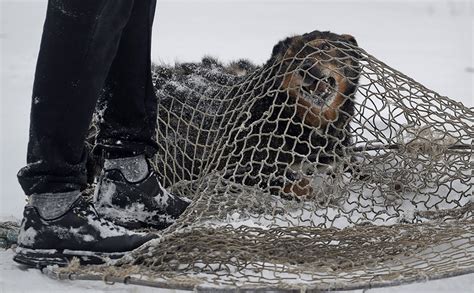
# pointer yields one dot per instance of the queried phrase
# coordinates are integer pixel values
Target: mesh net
(8, 234)
(322, 169)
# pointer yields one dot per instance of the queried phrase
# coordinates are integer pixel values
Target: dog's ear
(350, 39)
(281, 48)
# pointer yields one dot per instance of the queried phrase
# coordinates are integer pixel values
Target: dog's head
(319, 73)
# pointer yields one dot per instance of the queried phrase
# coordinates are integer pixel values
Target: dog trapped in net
(324, 165)
(297, 113)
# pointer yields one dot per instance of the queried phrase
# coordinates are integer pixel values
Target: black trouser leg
(127, 125)
(79, 43)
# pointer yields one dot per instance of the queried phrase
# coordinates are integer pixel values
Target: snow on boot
(135, 205)
(78, 233)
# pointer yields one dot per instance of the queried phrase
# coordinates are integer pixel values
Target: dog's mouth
(320, 90)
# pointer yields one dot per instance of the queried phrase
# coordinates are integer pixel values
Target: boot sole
(41, 258)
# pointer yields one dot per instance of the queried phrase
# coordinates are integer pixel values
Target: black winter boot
(80, 232)
(136, 205)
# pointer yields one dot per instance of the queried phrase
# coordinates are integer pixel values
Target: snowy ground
(431, 41)
(12, 279)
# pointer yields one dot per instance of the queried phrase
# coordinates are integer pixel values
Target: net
(8, 234)
(322, 169)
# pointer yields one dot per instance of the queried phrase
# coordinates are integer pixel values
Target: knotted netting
(322, 169)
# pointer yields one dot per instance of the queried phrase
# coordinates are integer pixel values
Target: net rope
(322, 169)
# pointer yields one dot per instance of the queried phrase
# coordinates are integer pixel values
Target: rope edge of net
(129, 280)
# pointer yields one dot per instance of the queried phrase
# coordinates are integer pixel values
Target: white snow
(163, 199)
(28, 237)
(134, 211)
(88, 238)
(106, 230)
(431, 41)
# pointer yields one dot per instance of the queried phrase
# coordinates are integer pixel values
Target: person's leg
(79, 42)
(129, 191)
(127, 122)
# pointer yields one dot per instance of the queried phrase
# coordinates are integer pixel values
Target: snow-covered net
(322, 169)
(8, 234)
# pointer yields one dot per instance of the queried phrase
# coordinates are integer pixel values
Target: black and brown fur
(271, 120)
